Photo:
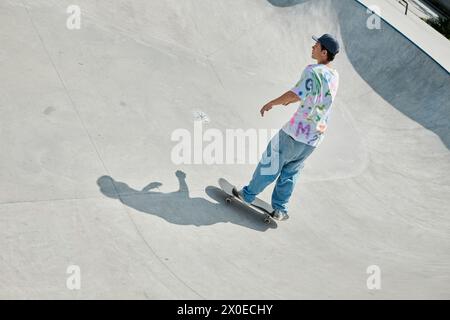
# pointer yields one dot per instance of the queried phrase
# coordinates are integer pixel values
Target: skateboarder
(299, 137)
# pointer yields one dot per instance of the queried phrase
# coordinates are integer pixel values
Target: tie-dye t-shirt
(316, 89)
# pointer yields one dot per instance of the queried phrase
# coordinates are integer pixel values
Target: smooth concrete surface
(87, 178)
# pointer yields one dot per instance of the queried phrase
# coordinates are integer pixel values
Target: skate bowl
(89, 186)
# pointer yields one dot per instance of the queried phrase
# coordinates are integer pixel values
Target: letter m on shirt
(303, 129)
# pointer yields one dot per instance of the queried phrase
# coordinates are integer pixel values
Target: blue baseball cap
(328, 42)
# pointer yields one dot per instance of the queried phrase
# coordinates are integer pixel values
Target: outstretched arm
(285, 99)
(182, 182)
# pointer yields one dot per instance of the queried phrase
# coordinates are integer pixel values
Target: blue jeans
(283, 159)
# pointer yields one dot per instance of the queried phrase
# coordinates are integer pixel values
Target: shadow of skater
(179, 208)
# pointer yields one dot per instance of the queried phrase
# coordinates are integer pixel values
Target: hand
(266, 108)
(180, 174)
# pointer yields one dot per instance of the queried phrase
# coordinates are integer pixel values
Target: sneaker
(280, 215)
(238, 194)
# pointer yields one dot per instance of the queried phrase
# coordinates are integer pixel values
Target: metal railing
(406, 6)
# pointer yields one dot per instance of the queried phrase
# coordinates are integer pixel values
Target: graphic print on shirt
(316, 89)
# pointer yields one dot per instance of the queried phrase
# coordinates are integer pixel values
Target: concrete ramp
(89, 188)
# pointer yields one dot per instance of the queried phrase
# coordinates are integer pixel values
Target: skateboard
(258, 205)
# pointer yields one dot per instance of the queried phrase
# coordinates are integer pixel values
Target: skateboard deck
(258, 205)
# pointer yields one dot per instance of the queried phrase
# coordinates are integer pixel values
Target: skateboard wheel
(266, 220)
(228, 200)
